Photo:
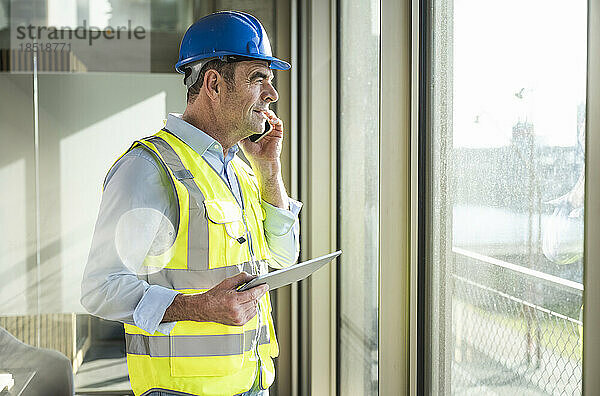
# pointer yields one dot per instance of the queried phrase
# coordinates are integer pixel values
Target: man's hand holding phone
(267, 148)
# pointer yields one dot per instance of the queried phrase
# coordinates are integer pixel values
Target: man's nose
(270, 93)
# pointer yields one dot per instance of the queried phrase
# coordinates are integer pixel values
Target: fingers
(273, 119)
(242, 313)
(250, 312)
(252, 294)
(235, 281)
(247, 305)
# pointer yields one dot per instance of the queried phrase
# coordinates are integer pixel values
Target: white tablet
(290, 274)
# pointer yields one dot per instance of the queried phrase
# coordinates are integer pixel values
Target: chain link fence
(506, 339)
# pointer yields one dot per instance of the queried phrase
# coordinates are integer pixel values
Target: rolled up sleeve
(156, 299)
(282, 231)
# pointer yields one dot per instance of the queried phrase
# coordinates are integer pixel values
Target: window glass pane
(358, 196)
(505, 188)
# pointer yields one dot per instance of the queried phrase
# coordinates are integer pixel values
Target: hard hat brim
(274, 63)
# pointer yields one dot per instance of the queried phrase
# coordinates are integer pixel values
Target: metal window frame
(398, 197)
(421, 81)
(317, 190)
(591, 269)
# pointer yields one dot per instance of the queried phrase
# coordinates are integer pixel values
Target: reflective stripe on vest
(194, 345)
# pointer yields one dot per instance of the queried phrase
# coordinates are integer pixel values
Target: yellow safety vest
(205, 358)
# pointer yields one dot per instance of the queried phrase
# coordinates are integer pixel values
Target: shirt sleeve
(111, 288)
(282, 231)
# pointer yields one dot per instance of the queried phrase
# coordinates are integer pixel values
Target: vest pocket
(226, 234)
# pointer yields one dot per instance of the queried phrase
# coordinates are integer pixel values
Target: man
(188, 330)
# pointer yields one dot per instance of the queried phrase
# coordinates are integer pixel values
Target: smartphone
(257, 136)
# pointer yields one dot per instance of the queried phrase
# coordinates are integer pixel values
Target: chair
(53, 371)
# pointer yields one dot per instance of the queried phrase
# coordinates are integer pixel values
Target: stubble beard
(254, 125)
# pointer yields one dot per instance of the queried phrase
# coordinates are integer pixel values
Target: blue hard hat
(227, 34)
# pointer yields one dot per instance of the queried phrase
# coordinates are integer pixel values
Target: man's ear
(211, 83)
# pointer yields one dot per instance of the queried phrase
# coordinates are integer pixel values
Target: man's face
(252, 93)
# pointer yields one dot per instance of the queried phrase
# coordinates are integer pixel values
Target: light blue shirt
(110, 288)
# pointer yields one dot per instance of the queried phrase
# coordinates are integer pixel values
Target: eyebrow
(260, 74)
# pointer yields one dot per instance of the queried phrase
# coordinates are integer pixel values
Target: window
(358, 221)
(506, 105)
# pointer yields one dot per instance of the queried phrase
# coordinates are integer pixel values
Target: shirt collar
(198, 140)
